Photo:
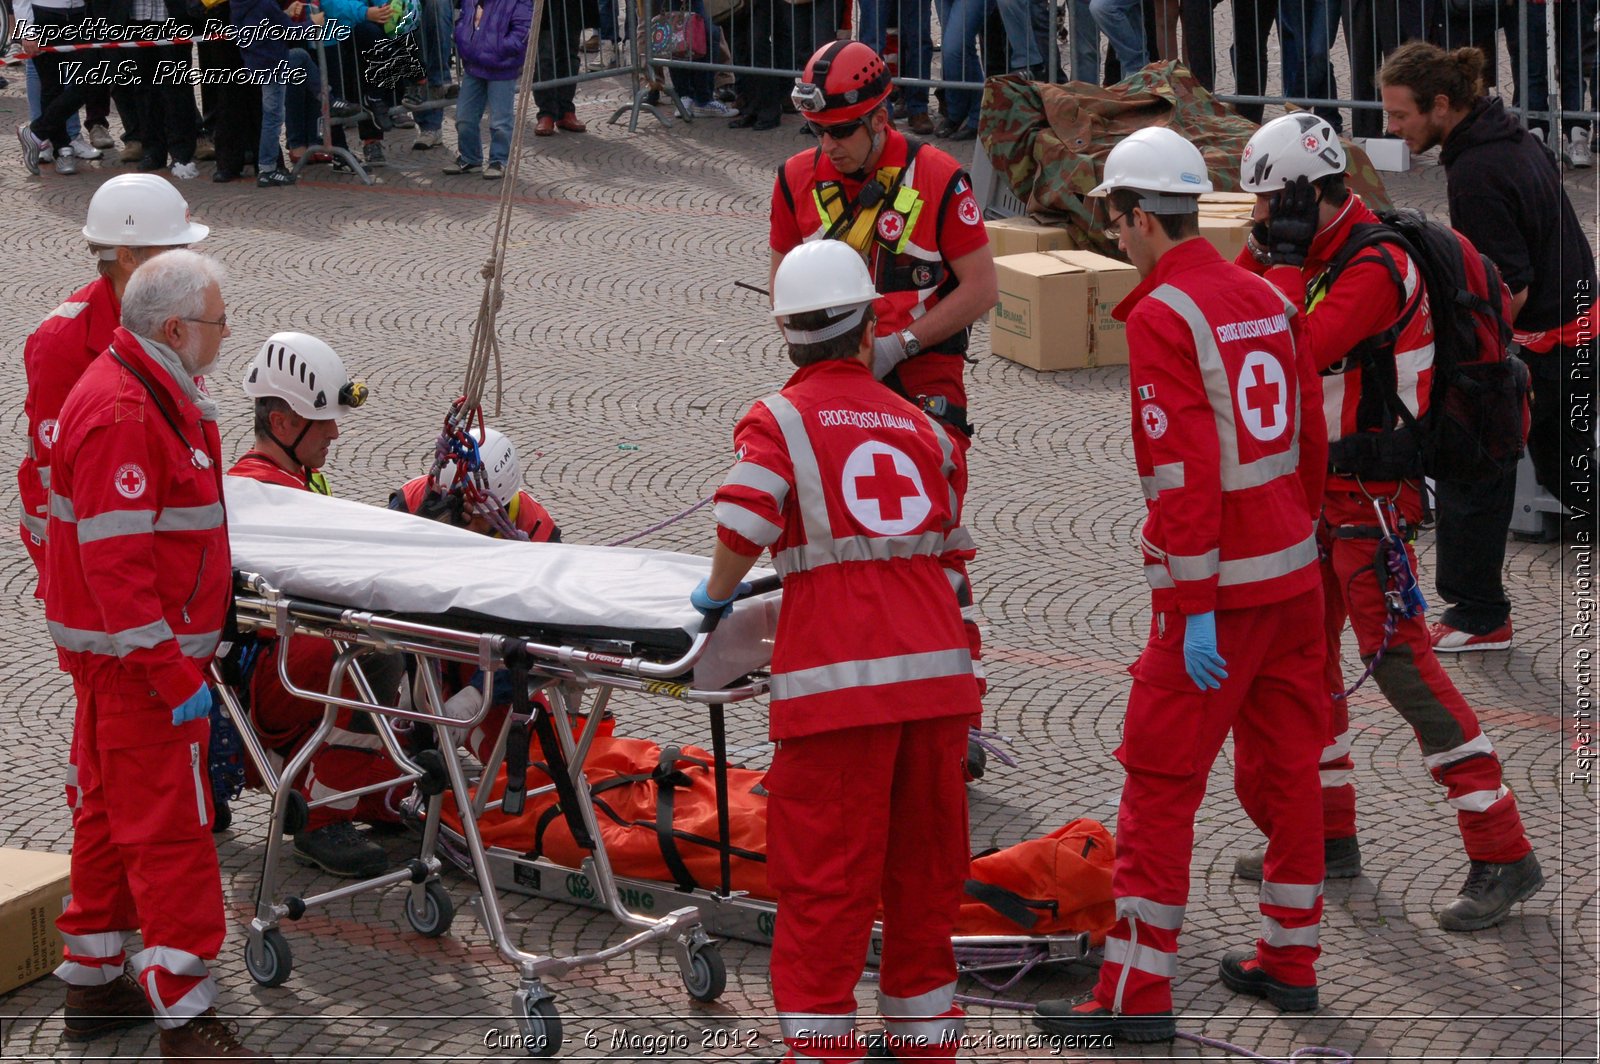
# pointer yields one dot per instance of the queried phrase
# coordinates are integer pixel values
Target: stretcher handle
(757, 587)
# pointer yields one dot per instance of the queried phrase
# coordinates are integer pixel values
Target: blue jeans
(963, 24)
(1085, 39)
(916, 43)
(1122, 21)
(33, 104)
(438, 38)
(1027, 24)
(293, 107)
(1303, 29)
(501, 96)
(1569, 34)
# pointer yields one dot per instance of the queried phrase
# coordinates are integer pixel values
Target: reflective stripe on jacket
(139, 572)
(852, 489)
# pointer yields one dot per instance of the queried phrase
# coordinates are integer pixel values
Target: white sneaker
(83, 149)
(32, 147)
(713, 109)
(66, 163)
(47, 154)
(185, 171)
(1577, 151)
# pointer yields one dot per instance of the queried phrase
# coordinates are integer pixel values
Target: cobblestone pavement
(629, 354)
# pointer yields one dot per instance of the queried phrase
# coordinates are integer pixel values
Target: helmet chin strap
(872, 153)
(289, 448)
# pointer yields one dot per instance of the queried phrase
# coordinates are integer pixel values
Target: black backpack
(1476, 424)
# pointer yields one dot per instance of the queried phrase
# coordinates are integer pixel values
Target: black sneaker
(372, 154)
(380, 114)
(341, 849)
(1242, 973)
(1490, 892)
(1341, 859)
(274, 179)
(461, 166)
(1081, 1016)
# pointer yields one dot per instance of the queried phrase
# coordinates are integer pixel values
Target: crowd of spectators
(268, 124)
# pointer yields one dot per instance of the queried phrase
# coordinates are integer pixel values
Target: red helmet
(842, 81)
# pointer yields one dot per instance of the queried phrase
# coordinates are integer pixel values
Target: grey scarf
(168, 359)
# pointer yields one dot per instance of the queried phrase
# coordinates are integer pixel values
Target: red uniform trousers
(142, 856)
(1456, 751)
(352, 759)
(1275, 705)
(854, 817)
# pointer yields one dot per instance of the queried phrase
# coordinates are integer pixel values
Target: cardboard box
(1055, 310)
(1387, 153)
(32, 886)
(1226, 234)
(1246, 200)
(1018, 236)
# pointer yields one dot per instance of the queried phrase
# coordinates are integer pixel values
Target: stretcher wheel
(437, 911)
(707, 976)
(540, 1025)
(269, 963)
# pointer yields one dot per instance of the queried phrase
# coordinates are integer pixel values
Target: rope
(485, 342)
(674, 519)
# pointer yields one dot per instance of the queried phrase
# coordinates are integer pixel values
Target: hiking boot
(1083, 1016)
(132, 151)
(341, 849)
(1341, 859)
(1242, 973)
(426, 140)
(1448, 640)
(206, 1037)
(204, 150)
(96, 1010)
(1491, 890)
(100, 137)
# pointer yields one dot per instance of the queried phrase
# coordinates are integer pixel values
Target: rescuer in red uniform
(853, 490)
(1227, 460)
(131, 218)
(1295, 165)
(137, 589)
(301, 389)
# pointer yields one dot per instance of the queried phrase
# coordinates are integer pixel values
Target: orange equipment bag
(657, 811)
(1061, 882)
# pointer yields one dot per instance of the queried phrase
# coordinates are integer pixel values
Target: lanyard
(197, 456)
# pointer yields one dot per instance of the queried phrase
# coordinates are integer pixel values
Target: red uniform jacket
(525, 512)
(1230, 466)
(253, 465)
(934, 221)
(139, 574)
(852, 488)
(54, 357)
(1363, 302)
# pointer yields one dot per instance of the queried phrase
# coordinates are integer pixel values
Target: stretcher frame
(567, 673)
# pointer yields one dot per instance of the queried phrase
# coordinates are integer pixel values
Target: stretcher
(573, 623)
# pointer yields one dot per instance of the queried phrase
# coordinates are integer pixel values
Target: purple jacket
(494, 49)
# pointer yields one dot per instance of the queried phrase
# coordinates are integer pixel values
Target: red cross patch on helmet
(1312, 144)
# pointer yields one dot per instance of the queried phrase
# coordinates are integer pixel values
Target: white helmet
(1156, 159)
(1296, 145)
(305, 373)
(825, 275)
(140, 211)
(500, 465)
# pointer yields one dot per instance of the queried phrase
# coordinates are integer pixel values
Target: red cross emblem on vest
(130, 481)
(883, 489)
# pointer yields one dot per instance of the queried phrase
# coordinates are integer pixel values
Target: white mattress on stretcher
(365, 557)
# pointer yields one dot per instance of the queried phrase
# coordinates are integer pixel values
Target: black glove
(1292, 223)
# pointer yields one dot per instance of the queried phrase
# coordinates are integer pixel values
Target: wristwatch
(910, 342)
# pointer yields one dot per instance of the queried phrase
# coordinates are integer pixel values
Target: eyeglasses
(221, 323)
(838, 130)
(1113, 230)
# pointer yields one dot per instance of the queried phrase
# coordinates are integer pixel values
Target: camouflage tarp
(1050, 141)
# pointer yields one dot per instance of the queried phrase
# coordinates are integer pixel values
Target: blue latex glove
(702, 601)
(1200, 658)
(194, 707)
(501, 693)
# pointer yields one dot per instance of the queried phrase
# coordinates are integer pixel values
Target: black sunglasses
(837, 130)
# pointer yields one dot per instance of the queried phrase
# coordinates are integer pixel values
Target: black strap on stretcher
(1024, 912)
(511, 802)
